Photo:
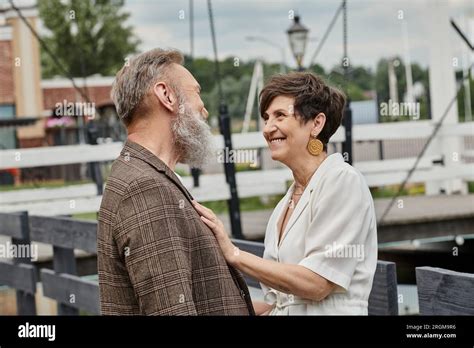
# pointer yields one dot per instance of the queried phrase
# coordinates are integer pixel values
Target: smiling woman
(328, 209)
(303, 96)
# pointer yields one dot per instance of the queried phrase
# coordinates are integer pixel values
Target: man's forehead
(183, 75)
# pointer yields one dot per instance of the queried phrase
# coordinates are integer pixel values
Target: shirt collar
(329, 162)
(132, 149)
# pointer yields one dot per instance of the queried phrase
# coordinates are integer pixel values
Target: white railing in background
(83, 198)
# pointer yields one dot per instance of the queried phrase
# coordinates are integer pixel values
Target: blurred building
(20, 73)
(28, 104)
(73, 130)
(24, 95)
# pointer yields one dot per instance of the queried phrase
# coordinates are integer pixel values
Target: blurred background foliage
(88, 37)
(98, 40)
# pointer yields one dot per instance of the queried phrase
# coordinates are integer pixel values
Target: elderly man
(155, 255)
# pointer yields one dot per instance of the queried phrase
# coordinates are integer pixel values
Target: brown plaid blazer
(155, 255)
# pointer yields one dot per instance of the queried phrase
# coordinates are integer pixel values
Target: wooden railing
(74, 293)
(444, 292)
(84, 198)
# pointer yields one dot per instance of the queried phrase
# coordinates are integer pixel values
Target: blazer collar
(329, 162)
(133, 149)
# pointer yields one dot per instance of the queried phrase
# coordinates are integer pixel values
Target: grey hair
(134, 80)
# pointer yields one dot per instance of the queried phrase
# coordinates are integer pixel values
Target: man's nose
(205, 113)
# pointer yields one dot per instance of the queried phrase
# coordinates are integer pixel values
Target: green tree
(356, 86)
(317, 69)
(87, 36)
(363, 78)
(236, 75)
(382, 86)
(235, 91)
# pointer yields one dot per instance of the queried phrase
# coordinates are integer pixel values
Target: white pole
(409, 77)
(392, 82)
(257, 70)
(442, 91)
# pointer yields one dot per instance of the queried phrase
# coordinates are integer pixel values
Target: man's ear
(165, 95)
(318, 123)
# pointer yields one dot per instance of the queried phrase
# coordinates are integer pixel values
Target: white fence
(83, 198)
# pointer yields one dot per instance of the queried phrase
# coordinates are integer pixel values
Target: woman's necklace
(292, 203)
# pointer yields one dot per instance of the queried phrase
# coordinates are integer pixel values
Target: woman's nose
(268, 128)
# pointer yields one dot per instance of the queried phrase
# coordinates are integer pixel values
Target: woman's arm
(291, 279)
(261, 308)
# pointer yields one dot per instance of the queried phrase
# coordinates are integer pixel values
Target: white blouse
(332, 231)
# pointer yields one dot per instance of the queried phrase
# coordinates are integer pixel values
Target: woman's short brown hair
(312, 95)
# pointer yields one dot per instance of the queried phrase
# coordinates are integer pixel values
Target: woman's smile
(277, 141)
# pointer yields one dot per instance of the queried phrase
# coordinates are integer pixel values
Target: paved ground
(405, 209)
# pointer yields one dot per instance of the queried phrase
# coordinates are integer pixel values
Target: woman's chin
(278, 156)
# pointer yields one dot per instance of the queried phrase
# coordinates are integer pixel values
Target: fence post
(347, 144)
(25, 301)
(94, 167)
(381, 154)
(65, 262)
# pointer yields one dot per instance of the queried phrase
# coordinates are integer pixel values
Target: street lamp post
(298, 36)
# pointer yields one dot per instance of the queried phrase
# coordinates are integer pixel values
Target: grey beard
(192, 137)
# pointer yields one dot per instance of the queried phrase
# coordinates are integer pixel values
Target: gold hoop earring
(315, 146)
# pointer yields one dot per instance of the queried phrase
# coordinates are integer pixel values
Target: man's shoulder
(128, 169)
(129, 176)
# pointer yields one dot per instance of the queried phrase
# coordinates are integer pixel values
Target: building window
(7, 134)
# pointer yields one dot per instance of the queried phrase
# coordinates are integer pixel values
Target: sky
(374, 30)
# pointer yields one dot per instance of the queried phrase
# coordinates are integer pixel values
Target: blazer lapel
(172, 176)
(331, 160)
(133, 149)
(300, 207)
(276, 219)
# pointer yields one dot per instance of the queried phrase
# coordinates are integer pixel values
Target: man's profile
(155, 255)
